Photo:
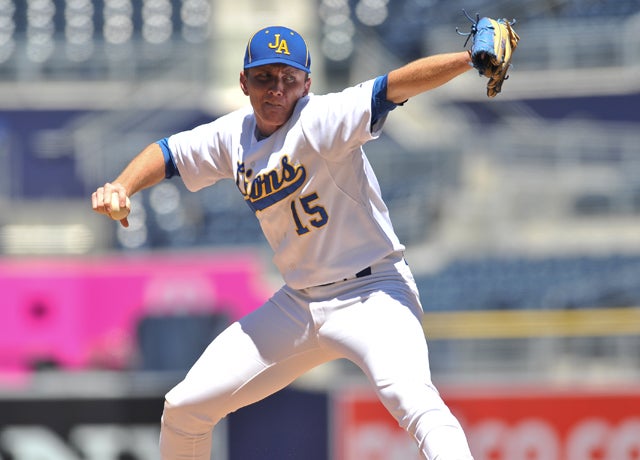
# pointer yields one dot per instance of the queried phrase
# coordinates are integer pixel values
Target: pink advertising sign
(76, 312)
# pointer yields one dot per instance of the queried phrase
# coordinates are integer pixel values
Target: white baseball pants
(373, 321)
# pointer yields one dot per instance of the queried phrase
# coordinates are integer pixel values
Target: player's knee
(403, 399)
(417, 407)
(186, 419)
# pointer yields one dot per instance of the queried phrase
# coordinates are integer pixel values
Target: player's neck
(259, 135)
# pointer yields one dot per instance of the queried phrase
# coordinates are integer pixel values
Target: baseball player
(297, 160)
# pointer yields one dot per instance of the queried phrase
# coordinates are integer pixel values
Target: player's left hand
(492, 47)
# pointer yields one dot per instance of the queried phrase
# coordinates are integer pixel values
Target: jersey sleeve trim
(380, 105)
(170, 168)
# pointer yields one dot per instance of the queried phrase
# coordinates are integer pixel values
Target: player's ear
(307, 85)
(243, 83)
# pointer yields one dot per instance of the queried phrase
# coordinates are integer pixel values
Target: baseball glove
(492, 47)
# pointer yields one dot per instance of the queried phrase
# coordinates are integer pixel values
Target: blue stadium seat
(174, 342)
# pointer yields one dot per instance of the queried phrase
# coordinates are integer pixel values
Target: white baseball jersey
(324, 220)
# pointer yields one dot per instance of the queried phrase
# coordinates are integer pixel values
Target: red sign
(518, 424)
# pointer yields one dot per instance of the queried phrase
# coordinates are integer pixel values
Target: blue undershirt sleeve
(380, 105)
(170, 168)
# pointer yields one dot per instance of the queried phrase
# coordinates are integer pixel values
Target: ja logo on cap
(280, 45)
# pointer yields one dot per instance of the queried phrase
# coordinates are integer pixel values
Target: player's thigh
(251, 359)
(383, 335)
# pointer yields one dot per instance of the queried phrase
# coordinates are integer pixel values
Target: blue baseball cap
(277, 45)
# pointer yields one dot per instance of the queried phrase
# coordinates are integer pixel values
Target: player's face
(273, 91)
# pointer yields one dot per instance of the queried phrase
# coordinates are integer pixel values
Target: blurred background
(521, 216)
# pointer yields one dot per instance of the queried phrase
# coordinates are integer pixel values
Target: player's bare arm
(425, 74)
(145, 170)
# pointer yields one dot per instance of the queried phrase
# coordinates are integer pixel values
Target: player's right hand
(101, 200)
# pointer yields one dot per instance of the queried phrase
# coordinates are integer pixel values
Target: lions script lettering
(280, 45)
(270, 187)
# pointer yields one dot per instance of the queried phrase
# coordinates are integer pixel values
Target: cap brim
(260, 62)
